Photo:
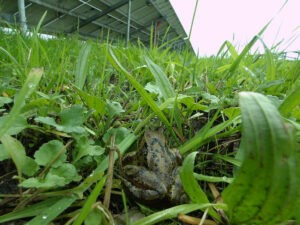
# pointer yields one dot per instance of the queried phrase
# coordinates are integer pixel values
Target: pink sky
(220, 20)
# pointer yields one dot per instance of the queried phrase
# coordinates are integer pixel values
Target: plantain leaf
(16, 151)
(267, 183)
(4, 100)
(19, 124)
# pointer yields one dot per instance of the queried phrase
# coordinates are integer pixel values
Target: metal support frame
(83, 20)
(98, 16)
(138, 28)
(147, 25)
(56, 8)
(63, 15)
(128, 23)
(22, 14)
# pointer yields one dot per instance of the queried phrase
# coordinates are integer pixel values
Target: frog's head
(154, 136)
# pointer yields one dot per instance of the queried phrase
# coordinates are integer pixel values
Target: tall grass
(92, 90)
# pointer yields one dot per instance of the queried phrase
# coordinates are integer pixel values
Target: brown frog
(151, 174)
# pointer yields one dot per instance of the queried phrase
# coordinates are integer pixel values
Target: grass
(62, 100)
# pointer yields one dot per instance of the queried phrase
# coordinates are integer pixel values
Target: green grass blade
(191, 186)
(193, 19)
(173, 212)
(147, 98)
(233, 161)
(246, 49)
(204, 134)
(29, 211)
(167, 44)
(165, 35)
(13, 59)
(38, 27)
(201, 177)
(290, 102)
(222, 50)
(269, 168)
(233, 52)
(50, 213)
(161, 79)
(81, 70)
(189, 182)
(27, 89)
(36, 47)
(151, 37)
(89, 202)
(198, 139)
(270, 63)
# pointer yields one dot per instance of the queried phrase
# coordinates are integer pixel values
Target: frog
(151, 174)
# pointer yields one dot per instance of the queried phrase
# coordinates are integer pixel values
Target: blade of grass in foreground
(50, 213)
(192, 187)
(27, 89)
(173, 212)
(40, 207)
(89, 202)
(29, 211)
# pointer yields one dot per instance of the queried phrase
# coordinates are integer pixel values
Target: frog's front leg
(143, 184)
(177, 195)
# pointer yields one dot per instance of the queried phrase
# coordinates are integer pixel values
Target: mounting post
(128, 23)
(21, 6)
